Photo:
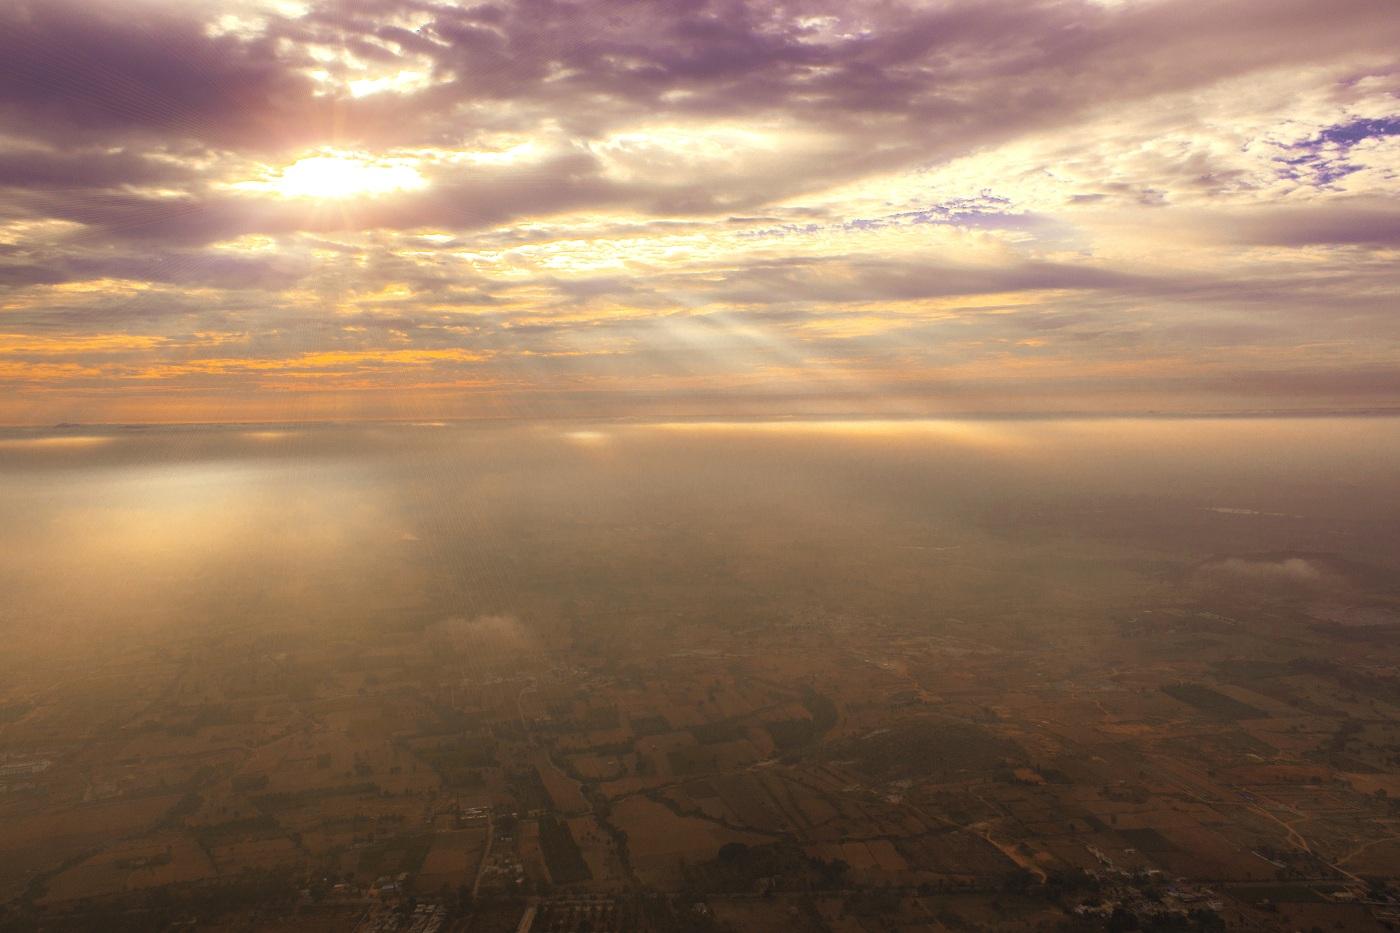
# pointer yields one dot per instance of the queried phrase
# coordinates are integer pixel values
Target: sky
(289, 209)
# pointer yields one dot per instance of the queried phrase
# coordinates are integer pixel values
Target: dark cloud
(97, 71)
(1347, 223)
(66, 169)
(933, 79)
(870, 280)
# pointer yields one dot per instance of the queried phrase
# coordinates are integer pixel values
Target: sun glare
(341, 176)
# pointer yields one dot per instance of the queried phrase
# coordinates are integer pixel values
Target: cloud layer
(276, 209)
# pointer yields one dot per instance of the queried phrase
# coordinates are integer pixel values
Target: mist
(632, 532)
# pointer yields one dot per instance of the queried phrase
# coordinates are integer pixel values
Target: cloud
(483, 635)
(75, 72)
(1276, 574)
(1348, 222)
(900, 205)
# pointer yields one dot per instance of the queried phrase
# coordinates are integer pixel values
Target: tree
(732, 852)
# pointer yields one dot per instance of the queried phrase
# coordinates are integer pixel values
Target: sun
(338, 176)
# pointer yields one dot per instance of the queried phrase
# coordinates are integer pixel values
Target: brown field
(659, 842)
(51, 838)
(527, 849)
(146, 863)
(598, 851)
(767, 915)
(452, 860)
(243, 854)
(601, 767)
(563, 790)
(1379, 859)
(954, 853)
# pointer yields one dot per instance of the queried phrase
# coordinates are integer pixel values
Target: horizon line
(1369, 411)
